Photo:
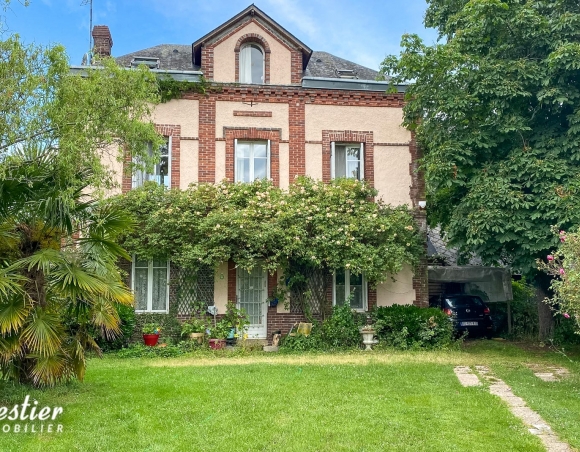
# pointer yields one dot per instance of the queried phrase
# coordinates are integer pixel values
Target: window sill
(152, 312)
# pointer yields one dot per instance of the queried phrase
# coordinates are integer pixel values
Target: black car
(467, 312)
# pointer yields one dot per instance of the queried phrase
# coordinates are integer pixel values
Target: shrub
(565, 331)
(301, 343)
(409, 326)
(340, 330)
(127, 325)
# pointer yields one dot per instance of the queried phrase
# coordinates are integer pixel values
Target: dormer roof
(252, 12)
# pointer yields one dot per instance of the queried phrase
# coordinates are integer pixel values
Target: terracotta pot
(217, 344)
(151, 339)
(197, 337)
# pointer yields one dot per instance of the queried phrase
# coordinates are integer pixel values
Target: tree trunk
(545, 317)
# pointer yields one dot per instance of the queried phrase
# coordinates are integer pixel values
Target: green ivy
(173, 89)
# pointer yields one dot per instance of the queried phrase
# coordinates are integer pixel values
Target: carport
(492, 284)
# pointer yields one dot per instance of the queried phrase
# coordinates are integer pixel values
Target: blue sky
(363, 31)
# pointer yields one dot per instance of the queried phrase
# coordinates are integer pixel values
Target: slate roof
(437, 246)
(171, 57)
(178, 57)
(323, 64)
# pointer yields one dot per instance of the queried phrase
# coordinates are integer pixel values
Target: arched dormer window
(252, 66)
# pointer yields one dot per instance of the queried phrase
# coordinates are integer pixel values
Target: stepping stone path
(517, 405)
(465, 377)
(550, 373)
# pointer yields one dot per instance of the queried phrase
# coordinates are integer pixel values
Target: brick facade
(297, 129)
(253, 114)
(296, 98)
(207, 52)
(206, 167)
(417, 193)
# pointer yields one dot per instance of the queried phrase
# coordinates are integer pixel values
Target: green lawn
(557, 402)
(400, 401)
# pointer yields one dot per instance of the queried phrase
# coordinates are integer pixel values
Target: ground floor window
(151, 285)
(349, 285)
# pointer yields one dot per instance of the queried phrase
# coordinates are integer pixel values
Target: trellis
(195, 291)
(309, 296)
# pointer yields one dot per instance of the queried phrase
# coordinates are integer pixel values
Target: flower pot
(151, 339)
(217, 344)
(274, 303)
(197, 337)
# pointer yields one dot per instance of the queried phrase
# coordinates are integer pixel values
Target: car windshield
(464, 302)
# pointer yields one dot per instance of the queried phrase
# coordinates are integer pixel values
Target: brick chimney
(102, 40)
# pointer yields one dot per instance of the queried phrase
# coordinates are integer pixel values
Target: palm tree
(59, 282)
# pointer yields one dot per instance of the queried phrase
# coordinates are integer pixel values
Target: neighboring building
(283, 111)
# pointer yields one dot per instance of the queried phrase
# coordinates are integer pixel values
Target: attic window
(150, 62)
(346, 73)
(252, 64)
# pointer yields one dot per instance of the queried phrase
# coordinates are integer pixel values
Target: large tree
(496, 108)
(59, 284)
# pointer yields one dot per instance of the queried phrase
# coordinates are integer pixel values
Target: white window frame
(347, 290)
(333, 154)
(251, 142)
(249, 44)
(136, 184)
(150, 287)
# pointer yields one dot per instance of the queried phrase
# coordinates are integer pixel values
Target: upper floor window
(252, 160)
(251, 64)
(348, 286)
(161, 171)
(347, 160)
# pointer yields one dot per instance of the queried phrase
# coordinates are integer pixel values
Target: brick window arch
(256, 39)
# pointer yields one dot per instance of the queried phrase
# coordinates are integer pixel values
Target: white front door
(252, 293)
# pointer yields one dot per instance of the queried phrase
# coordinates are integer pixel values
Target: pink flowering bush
(564, 265)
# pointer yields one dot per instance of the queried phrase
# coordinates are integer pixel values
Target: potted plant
(151, 334)
(238, 321)
(218, 334)
(195, 329)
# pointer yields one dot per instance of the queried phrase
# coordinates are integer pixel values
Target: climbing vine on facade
(329, 226)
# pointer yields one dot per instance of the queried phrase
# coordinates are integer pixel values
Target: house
(283, 110)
